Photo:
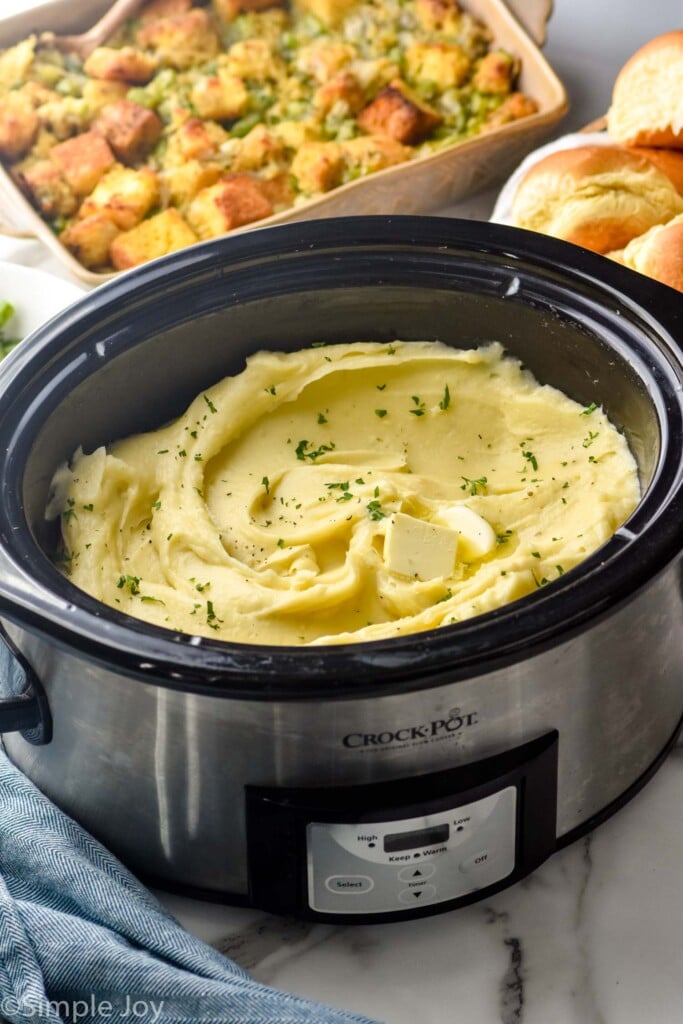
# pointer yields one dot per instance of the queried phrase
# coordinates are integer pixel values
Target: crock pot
(364, 782)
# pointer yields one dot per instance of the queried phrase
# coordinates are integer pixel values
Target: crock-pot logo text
(426, 732)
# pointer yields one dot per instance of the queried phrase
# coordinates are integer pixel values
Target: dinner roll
(599, 197)
(668, 160)
(658, 253)
(647, 99)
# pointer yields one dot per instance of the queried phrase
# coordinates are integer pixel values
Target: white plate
(36, 296)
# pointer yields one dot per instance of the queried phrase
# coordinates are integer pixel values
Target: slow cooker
(367, 782)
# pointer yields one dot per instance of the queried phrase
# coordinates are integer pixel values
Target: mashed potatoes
(346, 493)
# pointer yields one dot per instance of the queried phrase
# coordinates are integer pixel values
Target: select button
(349, 885)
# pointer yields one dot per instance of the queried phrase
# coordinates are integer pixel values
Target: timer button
(421, 894)
(416, 874)
(348, 885)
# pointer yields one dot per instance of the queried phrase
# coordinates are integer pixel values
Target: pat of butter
(419, 549)
(476, 537)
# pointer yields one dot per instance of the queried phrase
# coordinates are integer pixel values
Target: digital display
(412, 840)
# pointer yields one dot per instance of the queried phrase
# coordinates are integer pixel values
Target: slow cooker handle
(23, 704)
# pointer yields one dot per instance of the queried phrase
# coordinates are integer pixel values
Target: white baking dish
(423, 184)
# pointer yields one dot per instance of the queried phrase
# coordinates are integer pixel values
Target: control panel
(405, 847)
(413, 861)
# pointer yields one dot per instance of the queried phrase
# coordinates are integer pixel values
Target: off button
(349, 884)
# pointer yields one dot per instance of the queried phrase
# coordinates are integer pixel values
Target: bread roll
(658, 253)
(670, 161)
(647, 99)
(599, 197)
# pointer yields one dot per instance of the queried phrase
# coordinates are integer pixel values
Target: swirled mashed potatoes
(345, 493)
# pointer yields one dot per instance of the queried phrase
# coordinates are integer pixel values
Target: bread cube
(182, 40)
(89, 240)
(445, 65)
(159, 235)
(322, 59)
(399, 114)
(294, 133)
(259, 148)
(83, 160)
(318, 166)
(130, 129)
(156, 9)
(255, 59)
(330, 12)
(278, 190)
(181, 184)
(15, 63)
(98, 93)
(220, 97)
(194, 140)
(227, 10)
(19, 125)
(233, 201)
(123, 195)
(48, 189)
(513, 107)
(65, 116)
(496, 73)
(439, 16)
(123, 65)
(341, 92)
(369, 153)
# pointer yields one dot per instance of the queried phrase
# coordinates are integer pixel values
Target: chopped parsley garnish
(339, 486)
(151, 600)
(589, 409)
(182, 453)
(271, 390)
(212, 619)
(157, 505)
(535, 554)
(212, 407)
(381, 387)
(420, 410)
(391, 350)
(266, 483)
(531, 459)
(319, 344)
(163, 451)
(560, 570)
(446, 400)
(503, 538)
(381, 413)
(88, 508)
(314, 453)
(444, 597)
(280, 542)
(375, 510)
(588, 441)
(131, 583)
(322, 418)
(474, 485)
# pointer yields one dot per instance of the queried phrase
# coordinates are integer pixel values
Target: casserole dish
(309, 780)
(432, 180)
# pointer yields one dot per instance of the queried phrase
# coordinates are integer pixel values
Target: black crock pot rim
(159, 656)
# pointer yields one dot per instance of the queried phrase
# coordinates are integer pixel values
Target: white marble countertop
(593, 936)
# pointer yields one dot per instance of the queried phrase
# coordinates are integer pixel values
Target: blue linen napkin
(81, 940)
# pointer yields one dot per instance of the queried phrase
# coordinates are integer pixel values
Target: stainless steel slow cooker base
(318, 781)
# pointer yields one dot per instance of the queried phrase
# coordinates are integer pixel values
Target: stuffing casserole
(198, 120)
